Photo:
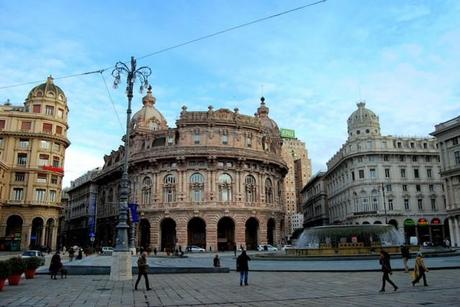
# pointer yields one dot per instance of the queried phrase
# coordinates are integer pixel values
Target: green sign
(287, 133)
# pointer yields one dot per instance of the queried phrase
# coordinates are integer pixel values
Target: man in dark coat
(243, 267)
(142, 268)
(386, 269)
(55, 265)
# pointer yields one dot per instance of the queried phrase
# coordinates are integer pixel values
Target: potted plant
(4, 273)
(17, 267)
(32, 264)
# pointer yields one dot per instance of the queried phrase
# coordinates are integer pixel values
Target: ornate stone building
(448, 137)
(376, 179)
(216, 180)
(33, 139)
(314, 200)
(295, 155)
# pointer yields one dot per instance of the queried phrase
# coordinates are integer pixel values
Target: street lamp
(121, 259)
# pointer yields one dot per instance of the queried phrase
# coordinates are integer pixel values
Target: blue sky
(402, 57)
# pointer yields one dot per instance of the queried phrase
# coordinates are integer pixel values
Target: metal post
(384, 204)
(121, 264)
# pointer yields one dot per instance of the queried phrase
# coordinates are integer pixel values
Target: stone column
(452, 237)
(211, 235)
(240, 231)
(262, 233)
(457, 231)
(53, 237)
(25, 236)
(181, 231)
(155, 228)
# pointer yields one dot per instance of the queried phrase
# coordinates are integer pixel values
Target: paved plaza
(265, 289)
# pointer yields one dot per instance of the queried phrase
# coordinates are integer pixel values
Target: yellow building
(33, 139)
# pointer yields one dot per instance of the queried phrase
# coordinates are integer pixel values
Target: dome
(149, 118)
(363, 122)
(47, 90)
(267, 122)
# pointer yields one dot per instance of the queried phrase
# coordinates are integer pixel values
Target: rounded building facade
(214, 181)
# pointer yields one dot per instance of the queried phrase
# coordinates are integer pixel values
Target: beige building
(216, 180)
(448, 137)
(375, 179)
(295, 155)
(33, 139)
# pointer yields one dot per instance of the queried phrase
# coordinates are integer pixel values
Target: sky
(312, 65)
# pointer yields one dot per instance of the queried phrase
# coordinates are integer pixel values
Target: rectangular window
(431, 187)
(18, 193)
(361, 174)
(22, 159)
(404, 187)
(58, 130)
(37, 108)
(56, 162)
(170, 140)
(54, 179)
(42, 178)
(406, 204)
(44, 144)
(425, 146)
(49, 110)
(401, 158)
(56, 147)
(26, 126)
(2, 124)
(418, 188)
(40, 195)
(399, 144)
(455, 141)
(196, 137)
(412, 145)
(387, 173)
(52, 196)
(386, 158)
(390, 204)
(47, 128)
(60, 113)
(403, 173)
(388, 187)
(428, 173)
(457, 157)
(433, 205)
(20, 177)
(360, 159)
(420, 204)
(353, 176)
(249, 141)
(416, 173)
(225, 139)
(43, 159)
(427, 159)
(414, 158)
(372, 172)
(24, 143)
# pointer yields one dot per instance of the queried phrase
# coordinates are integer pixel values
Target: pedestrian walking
(155, 251)
(242, 266)
(386, 269)
(80, 254)
(216, 261)
(405, 256)
(142, 269)
(71, 253)
(419, 270)
(55, 265)
(234, 249)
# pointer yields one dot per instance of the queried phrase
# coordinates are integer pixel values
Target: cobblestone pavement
(265, 289)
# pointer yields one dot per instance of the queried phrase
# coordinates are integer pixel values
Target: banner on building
(133, 212)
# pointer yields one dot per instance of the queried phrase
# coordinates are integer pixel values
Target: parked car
(285, 247)
(107, 250)
(194, 249)
(34, 253)
(267, 247)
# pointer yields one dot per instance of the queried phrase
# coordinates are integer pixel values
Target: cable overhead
(178, 45)
(111, 100)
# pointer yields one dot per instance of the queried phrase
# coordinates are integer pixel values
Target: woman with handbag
(419, 270)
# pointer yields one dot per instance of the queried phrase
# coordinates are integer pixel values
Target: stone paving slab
(265, 289)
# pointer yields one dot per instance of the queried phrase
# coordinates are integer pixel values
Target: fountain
(347, 240)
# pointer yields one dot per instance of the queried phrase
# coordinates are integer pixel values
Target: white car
(34, 253)
(194, 249)
(285, 247)
(267, 247)
(107, 250)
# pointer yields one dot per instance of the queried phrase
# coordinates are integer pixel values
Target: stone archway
(144, 231)
(36, 233)
(271, 231)
(196, 232)
(168, 234)
(251, 233)
(13, 233)
(49, 233)
(225, 234)
(394, 223)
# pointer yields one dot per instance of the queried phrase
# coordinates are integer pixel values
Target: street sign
(92, 239)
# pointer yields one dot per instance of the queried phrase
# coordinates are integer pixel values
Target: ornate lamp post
(121, 260)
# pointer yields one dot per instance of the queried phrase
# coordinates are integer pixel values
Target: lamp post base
(121, 268)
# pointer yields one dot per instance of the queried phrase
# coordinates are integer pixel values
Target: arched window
(268, 191)
(225, 187)
(197, 187)
(375, 201)
(364, 202)
(169, 188)
(250, 188)
(146, 190)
